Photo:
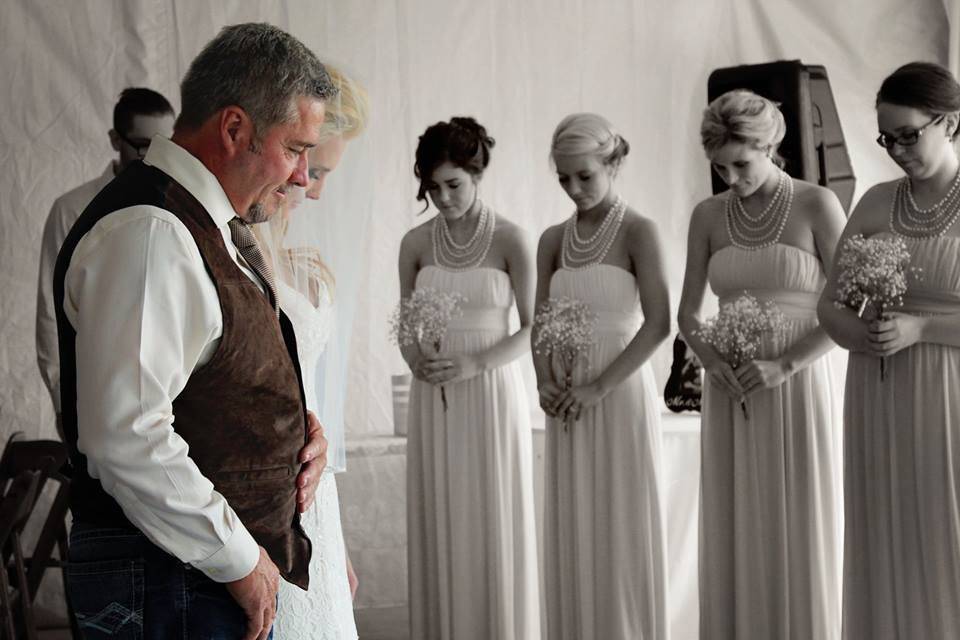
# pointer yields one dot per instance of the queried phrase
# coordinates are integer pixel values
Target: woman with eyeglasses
(902, 431)
(770, 521)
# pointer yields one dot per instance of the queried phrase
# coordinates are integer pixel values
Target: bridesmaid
(770, 485)
(902, 434)
(604, 530)
(470, 519)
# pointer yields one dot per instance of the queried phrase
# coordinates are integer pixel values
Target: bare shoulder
(813, 194)
(639, 228)
(881, 192)
(706, 215)
(509, 231)
(417, 239)
(816, 202)
(708, 209)
(872, 212)
(552, 235)
(419, 232)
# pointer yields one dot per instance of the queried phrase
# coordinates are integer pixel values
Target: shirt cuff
(234, 560)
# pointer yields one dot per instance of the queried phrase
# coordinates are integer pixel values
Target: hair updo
(589, 133)
(745, 117)
(463, 142)
(922, 85)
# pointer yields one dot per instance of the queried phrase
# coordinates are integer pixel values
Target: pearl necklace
(580, 253)
(450, 254)
(756, 232)
(907, 219)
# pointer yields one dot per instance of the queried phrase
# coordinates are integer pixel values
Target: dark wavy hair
(462, 142)
(922, 85)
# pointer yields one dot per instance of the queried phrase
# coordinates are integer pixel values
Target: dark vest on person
(242, 413)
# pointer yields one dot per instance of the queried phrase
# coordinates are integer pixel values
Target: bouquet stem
(567, 384)
(883, 359)
(743, 407)
(443, 398)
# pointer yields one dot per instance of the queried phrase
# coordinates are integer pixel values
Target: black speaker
(813, 147)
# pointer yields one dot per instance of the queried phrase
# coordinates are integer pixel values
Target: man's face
(277, 161)
(132, 144)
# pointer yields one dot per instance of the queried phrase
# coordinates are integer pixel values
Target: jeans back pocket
(107, 598)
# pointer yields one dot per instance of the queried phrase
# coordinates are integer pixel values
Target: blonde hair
(589, 133)
(346, 113)
(745, 117)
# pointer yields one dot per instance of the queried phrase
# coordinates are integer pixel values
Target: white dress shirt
(147, 315)
(65, 211)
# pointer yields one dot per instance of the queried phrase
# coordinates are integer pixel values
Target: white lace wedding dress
(325, 612)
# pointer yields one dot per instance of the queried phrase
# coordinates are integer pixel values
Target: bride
(305, 289)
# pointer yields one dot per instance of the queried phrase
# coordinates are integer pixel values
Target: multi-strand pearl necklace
(450, 254)
(579, 253)
(907, 219)
(756, 232)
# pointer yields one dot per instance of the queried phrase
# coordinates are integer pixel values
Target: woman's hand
(430, 370)
(462, 367)
(572, 402)
(724, 377)
(441, 370)
(550, 393)
(761, 374)
(893, 332)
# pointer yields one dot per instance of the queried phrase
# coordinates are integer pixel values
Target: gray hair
(257, 67)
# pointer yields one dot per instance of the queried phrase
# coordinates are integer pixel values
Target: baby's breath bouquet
(872, 271)
(422, 319)
(564, 329)
(736, 332)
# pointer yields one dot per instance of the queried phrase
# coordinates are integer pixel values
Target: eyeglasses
(140, 146)
(907, 138)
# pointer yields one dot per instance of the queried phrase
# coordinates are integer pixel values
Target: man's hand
(313, 457)
(257, 595)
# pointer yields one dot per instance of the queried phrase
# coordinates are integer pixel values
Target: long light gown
(902, 473)
(604, 529)
(325, 611)
(470, 513)
(771, 519)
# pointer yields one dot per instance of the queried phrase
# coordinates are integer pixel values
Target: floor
(387, 623)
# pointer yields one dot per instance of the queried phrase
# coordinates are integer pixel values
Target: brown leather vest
(242, 413)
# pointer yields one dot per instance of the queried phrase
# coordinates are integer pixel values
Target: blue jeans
(122, 586)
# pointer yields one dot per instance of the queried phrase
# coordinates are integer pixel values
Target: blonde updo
(345, 113)
(745, 117)
(592, 134)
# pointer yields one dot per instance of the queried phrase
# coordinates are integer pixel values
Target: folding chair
(15, 508)
(48, 458)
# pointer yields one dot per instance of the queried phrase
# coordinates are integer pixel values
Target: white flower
(564, 328)
(423, 317)
(736, 332)
(873, 270)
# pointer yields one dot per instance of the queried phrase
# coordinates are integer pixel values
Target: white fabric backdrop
(517, 66)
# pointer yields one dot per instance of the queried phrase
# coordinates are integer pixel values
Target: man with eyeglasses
(138, 115)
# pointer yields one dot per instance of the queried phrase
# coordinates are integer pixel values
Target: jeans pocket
(107, 598)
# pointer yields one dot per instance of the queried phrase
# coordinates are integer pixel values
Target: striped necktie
(246, 244)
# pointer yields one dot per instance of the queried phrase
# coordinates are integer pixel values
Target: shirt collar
(192, 175)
